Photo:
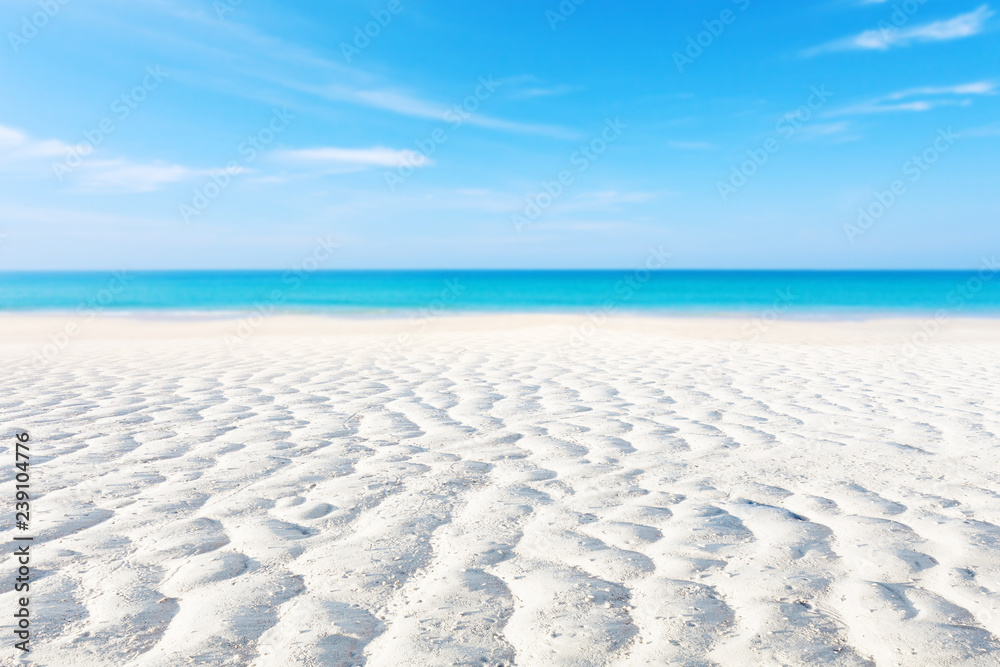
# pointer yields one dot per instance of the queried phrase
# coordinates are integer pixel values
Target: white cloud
(975, 88)
(526, 86)
(920, 99)
(47, 158)
(540, 91)
(124, 176)
(529, 87)
(611, 197)
(11, 137)
(691, 145)
(885, 38)
(585, 226)
(69, 217)
(16, 147)
(991, 130)
(366, 157)
(396, 102)
(408, 105)
(835, 132)
(282, 64)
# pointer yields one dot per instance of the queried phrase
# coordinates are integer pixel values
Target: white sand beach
(523, 490)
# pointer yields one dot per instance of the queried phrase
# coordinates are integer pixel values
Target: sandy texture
(508, 491)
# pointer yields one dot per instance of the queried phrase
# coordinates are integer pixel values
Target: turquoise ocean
(795, 293)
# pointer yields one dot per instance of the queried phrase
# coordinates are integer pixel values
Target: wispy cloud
(123, 176)
(614, 197)
(920, 99)
(586, 226)
(691, 145)
(836, 132)
(319, 77)
(39, 159)
(885, 38)
(545, 91)
(230, 55)
(991, 130)
(35, 158)
(71, 217)
(974, 88)
(414, 107)
(16, 146)
(378, 156)
(527, 86)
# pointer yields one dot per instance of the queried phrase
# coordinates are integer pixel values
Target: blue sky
(736, 134)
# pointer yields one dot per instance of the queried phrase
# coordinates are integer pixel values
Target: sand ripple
(496, 498)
